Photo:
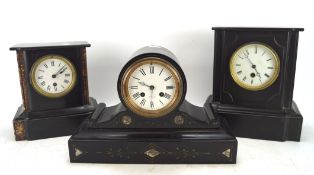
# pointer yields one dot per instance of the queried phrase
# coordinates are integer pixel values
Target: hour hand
(143, 84)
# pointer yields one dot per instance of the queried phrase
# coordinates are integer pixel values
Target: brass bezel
(47, 94)
(263, 86)
(151, 113)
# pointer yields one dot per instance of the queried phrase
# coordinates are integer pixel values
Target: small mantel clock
(53, 79)
(254, 70)
(153, 123)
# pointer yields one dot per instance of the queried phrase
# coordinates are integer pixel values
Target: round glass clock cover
(151, 87)
(53, 76)
(254, 66)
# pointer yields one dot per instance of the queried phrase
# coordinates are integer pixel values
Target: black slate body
(265, 114)
(186, 134)
(105, 139)
(40, 116)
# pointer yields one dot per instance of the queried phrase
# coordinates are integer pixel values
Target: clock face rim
(127, 98)
(40, 90)
(266, 84)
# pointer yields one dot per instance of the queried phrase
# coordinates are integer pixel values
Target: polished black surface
(105, 139)
(53, 123)
(262, 114)
(74, 98)
(193, 116)
(50, 45)
(43, 117)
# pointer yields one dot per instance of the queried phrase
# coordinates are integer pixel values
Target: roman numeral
(43, 83)
(151, 104)
(168, 78)
(246, 53)
(59, 65)
(41, 70)
(255, 49)
(161, 102)
(143, 102)
(55, 87)
(244, 78)
(66, 81)
(52, 63)
(134, 87)
(167, 96)
(161, 71)
(40, 77)
(240, 57)
(169, 87)
(268, 59)
(136, 78)
(239, 72)
(67, 75)
(151, 69)
(252, 81)
(263, 52)
(48, 88)
(266, 75)
(46, 66)
(238, 64)
(270, 67)
(136, 95)
(143, 72)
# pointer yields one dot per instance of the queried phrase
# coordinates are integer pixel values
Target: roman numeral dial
(53, 76)
(152, 86)
(254, 66)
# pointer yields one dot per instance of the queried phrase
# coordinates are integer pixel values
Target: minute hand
(254, 67)
(59, 71)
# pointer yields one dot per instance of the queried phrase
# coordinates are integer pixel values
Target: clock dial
(152, 87)
(53, 76)
(254, 66)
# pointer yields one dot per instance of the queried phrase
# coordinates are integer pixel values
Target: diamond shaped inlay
(152, 153)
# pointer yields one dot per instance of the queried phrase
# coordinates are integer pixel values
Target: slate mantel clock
(153, 123)
(254, 70)
(53, 78)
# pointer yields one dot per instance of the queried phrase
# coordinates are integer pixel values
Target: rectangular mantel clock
(53, 79)
(254, 70)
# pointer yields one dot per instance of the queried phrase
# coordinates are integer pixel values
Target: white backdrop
(118, 28)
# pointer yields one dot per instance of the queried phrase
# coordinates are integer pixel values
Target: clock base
(47, 124)
(153, 146)
(258, 124)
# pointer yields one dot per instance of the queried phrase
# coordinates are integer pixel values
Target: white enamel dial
(53, 76)
(152, 87)
(254, 66)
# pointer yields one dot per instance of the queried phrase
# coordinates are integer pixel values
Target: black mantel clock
(53, 78)
(254, 70)
(153, 123)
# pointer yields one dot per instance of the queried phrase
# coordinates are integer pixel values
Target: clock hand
(143, 84)
(63, 70)
(54, 75)
(254, 67)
